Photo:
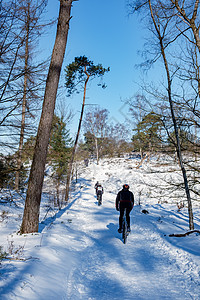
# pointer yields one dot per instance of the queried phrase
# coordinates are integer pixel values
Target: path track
(147, 267)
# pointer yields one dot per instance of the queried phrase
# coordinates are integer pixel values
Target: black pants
(99, 193)
(128, 206)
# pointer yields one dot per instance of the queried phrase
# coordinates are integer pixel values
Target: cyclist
(99, 188)
(96, 185)
(125, 199)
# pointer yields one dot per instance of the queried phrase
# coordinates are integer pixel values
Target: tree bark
(69, 172)
(97, 150)
(21, 141)
(30, 220)
(184, 234)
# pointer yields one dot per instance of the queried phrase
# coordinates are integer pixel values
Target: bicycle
(125, 233)
(99, 199)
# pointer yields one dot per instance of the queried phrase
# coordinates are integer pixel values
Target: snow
(78, 253)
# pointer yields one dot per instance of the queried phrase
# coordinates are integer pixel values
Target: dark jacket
(99, 189)
(124, 196)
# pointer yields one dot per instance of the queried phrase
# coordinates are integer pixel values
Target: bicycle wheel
(124, 234)
(124, 228)
(99, 199)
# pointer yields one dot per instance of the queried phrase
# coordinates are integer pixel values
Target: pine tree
(78, 73)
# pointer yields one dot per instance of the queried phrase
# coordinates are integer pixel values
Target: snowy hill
(78, 253)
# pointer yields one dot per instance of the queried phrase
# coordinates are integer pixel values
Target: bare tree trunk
(58, 194)
(179, 154)
(69, 172)
(30, 221)
(21, 141)
(141, 153)
(97, 151)
(178, 147)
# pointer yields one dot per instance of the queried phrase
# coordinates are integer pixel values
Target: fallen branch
(20, 259)
(184, 234)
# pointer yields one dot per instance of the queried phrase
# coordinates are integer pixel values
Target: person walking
(124, 199)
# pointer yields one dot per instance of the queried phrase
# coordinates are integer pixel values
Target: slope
(79, 254)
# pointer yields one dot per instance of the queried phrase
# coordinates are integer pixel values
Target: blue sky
(102, 31)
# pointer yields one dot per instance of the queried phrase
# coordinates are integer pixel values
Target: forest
(36, 139)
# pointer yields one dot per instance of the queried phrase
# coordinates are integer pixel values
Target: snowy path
(147, 267)
(80, 255)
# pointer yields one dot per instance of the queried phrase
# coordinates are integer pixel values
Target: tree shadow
(177, 221)
(76, 195)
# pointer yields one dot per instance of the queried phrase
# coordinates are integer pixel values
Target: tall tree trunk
(97, 150)
(141, 153)
(21, 141)
(30, 220)
(178, 147)
(69, 172)
(179, 154)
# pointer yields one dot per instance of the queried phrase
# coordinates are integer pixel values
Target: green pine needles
(76, 73)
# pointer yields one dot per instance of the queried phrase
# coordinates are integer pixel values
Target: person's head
(125, 186)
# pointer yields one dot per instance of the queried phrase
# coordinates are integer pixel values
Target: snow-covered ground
(78, 253)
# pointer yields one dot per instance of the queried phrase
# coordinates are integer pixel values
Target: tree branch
(184, 234)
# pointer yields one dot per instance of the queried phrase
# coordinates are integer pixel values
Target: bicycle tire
(124, 234)
(99, 199)
(124, 228)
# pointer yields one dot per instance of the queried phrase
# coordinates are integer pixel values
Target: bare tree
(188, 15)
(162, 28)
(30, 15)
(21, 77)
(96, 124)
(30, 221)
(12, 40)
